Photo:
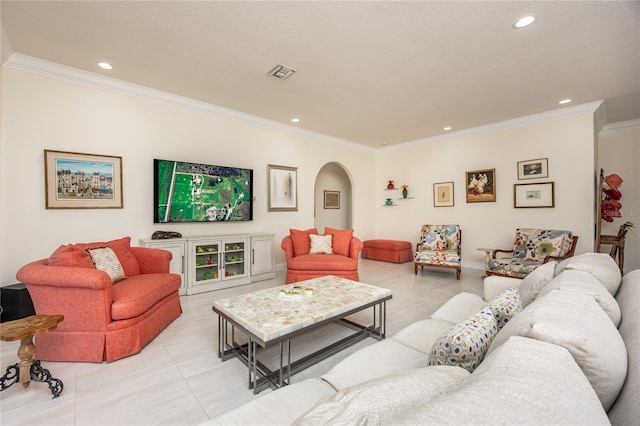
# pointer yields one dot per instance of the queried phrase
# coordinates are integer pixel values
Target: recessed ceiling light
(524, 21)
(564, 101)
(384, 143)
(295, 120)
(105, 65)
(446, 129)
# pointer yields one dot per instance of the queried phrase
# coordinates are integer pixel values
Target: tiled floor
(178, 380)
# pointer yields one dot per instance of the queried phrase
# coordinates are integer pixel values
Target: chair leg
(457, 274)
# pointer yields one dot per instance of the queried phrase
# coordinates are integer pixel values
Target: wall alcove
(333, 177)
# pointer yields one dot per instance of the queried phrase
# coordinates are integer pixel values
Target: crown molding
(26, 63)
(621, 125)
(590, 107)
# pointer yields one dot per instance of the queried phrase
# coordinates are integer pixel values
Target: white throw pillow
(600, 265)
(585, 283)
(576, 322)
(321, 244)
(380, 401)
(105, 259)
(535, 281)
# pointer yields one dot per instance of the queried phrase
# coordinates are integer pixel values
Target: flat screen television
(192, 192)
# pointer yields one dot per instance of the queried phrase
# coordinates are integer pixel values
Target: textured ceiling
(367, 72)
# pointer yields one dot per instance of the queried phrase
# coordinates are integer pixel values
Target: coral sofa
(571, 355)
(103, 320)
(340, 258)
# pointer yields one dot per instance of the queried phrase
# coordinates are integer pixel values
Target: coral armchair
(303, 264)
(102, 320)
(532, 248)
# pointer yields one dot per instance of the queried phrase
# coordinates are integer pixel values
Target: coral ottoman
(387, 250)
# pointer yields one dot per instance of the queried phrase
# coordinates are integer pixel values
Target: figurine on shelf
(405, 191)
(388, 202)
(391, 185)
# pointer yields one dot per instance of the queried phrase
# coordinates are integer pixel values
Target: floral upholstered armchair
(532, 248)
(439, 247)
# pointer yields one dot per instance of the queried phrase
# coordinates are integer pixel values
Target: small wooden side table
(29, 369)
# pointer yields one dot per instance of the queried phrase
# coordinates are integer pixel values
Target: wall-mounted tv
(192, 192)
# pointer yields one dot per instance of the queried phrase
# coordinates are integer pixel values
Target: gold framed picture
(75, 180)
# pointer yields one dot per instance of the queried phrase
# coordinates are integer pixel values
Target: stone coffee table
(275, 315)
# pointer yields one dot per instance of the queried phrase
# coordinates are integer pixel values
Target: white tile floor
(178, 380)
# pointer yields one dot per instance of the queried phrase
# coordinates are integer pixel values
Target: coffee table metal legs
(261, 377)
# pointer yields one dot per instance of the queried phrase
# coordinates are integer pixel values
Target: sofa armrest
(496, 251)
(494, 285)
(355, 247)
(152, 260)
(287, 246)
(39, 273)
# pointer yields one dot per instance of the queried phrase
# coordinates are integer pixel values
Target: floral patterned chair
(439, 247)
(532, 248)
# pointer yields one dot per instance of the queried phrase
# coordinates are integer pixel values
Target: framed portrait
(532, 195)
(82, 181)
(481, 186)
(283, 184)
(443, 194)
(533, 169)
(331, 199)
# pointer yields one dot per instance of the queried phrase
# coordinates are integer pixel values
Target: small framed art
(533, 195)
(481, 186)
(443, 194)
(331, 199)
(82, 181)
(533, 169)
(283, 188)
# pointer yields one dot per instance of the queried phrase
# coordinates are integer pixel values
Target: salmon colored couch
(102, 320)
(303, 265)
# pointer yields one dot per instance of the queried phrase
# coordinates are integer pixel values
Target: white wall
(568, 143)
(41, 113)
(619, 153)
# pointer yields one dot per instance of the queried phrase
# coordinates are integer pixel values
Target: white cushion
(105, 259)
(422, 334)
(585, 283)
(600, 265)
(321, 244)
(494, 285)
(380, 401)
(576, 322)
(466, 343)
(381, 358)
(535, 281)
(523, 382)
(459, 307)
(283, 406)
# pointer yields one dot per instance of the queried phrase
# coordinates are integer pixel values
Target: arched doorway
(333, 178)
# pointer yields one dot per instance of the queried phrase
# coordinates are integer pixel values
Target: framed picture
(331, 199)
(82, 181)
(533, 169)
(481, 186)
(283, 184)
(443, 194)
(531, 195)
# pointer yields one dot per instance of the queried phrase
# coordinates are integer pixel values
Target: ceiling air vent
(282, 72)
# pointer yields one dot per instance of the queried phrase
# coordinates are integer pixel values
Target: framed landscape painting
(533, 169)
(532, 195)
(82, 181)
(481, 186)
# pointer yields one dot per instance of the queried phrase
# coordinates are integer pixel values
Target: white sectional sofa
(570, 356)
